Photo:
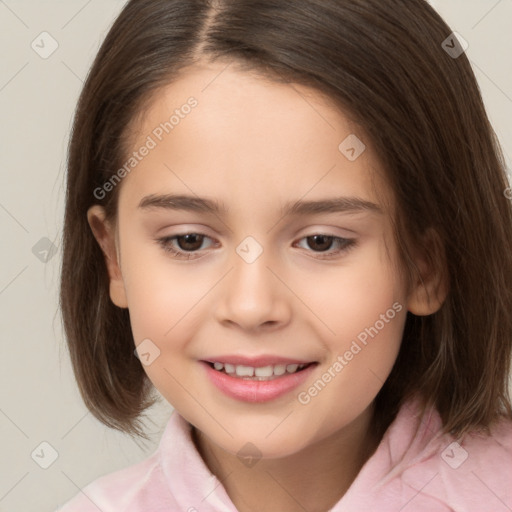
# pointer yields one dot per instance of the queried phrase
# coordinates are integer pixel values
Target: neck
(314, 479)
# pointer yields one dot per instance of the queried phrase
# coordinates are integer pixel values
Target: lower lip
(257, 390)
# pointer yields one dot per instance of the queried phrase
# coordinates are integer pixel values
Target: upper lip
(256, 362)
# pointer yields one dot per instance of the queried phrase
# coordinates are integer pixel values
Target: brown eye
(186, 246)
(322, 243)
(190, 242)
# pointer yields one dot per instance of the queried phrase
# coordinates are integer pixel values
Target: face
(255, 286)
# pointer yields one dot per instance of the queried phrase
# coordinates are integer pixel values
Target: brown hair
(383, 63)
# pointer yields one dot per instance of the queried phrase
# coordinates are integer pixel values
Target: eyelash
(165, 243)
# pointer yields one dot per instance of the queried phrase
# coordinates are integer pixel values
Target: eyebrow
(297, 208)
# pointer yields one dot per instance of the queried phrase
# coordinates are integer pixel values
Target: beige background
(39, 398)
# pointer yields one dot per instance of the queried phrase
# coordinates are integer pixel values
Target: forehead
(220, 131)
(226, 94)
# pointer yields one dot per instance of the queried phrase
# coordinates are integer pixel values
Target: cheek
(160, 294)
(374, 314)
(367, 315)
(162, 304)
(351, 296)
(164, 301)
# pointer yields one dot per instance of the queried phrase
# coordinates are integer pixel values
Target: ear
(104, 233)
(430, 288)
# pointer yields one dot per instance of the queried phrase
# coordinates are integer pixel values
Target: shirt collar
(195, 488)
(191, 483)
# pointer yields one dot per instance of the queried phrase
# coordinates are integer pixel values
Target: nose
(253, 295)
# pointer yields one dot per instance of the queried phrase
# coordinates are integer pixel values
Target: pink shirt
(433, 474)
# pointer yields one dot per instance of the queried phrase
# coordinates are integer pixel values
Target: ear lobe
(430, 288)
(104, 233)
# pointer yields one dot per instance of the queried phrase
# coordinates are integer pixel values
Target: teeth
(244, 371)
(279, 369)
(266, 371)
(261, 372)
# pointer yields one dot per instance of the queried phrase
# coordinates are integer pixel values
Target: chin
(255, 441)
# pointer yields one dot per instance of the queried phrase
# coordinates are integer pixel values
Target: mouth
(254, 379)
(258, 373)
(264, 380)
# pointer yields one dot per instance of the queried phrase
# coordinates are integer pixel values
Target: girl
(290, 219)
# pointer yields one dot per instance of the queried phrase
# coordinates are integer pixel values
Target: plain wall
(39, 397)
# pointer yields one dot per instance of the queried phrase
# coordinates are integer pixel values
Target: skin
(255, 145)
